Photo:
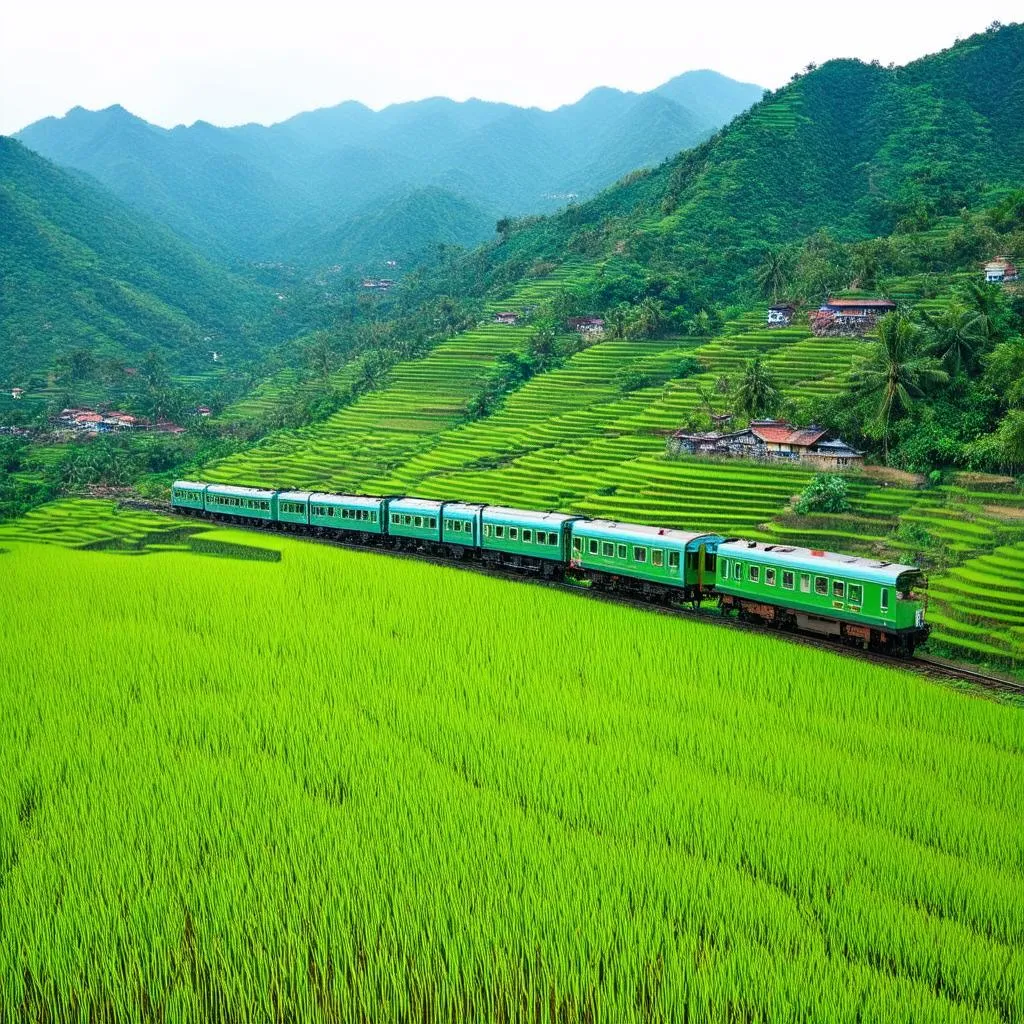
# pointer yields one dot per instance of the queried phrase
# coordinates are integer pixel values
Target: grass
(342, 786)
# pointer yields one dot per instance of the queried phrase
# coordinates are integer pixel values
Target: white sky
(230, 63)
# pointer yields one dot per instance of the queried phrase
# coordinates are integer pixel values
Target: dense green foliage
(343, 787)
(79, 270)
(320, 185)
(827, 492)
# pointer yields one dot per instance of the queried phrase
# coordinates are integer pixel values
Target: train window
(838, 589)
(709, 561)
(499, 531)
(407, 520)
(577, 544)
(394, 517)
(487, 529)
(552, 538)
(608, 549)
(805, 583)
(787, 580)
(754, 573)
(855, 594)
(769, 577)
(527, 536)
(723, 566)
(737, 570)
(621, 551)
(373, 517)
(593, 547)
(639, 554)
(418, 521)
(673, 559)
(657, 557)
(885, 599)
(821, 586)
(513, 533)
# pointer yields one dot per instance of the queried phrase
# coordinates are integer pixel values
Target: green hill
(79, 270)
(858, 149)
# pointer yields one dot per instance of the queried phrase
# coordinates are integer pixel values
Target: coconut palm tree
(757, 393)
(773, 273)
(987, 308)
(956, 337)
(897, 372)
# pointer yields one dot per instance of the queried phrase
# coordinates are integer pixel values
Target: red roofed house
(771, 439)
(16, 393)
(1000, 270)
(848, 317)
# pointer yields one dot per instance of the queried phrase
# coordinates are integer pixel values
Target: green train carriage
(872, 603)
(524, 539)
(241, 503)
(414, 522)
(188, 496)
(461, 527)
(650, 560)
(293, 508)
(348, 513)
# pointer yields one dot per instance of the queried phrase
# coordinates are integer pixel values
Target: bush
(827, 492)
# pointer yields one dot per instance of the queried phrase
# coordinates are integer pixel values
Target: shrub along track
(935, 668)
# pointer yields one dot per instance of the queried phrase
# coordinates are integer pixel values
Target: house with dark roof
(781, 314)
(585, 324)
(770, 440)
(508, 318)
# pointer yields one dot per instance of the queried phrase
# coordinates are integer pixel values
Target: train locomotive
(862, 602)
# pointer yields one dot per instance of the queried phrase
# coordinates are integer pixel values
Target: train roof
(872, 569)
(638, 533)
(356, 500)
(192, 485)
(463, 507)
(515, 516)
(294, 495)
(416, 505)
(239, 492)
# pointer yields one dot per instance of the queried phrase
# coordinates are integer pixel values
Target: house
(1000, 270)
(91, 422)
(378, 284)
(391, 263)
(203, 410)
(585, 324)
(511, 319)
(119, 420)
(770, 440)
(781, 315)
(167, 427)
(849, 318)
(17, 393)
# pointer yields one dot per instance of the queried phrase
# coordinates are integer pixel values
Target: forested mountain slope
(244, 191)
(79, 269)
(854, 148)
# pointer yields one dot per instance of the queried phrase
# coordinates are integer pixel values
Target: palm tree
(757, 393)
(648, 317)
(985, 302)
(956, 337)
(896, 372)
(773, 273)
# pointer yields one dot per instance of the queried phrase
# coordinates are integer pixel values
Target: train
(862, 602)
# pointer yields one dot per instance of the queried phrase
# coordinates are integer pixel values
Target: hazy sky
(227, 63)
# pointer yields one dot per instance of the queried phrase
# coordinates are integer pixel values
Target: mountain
(248, 191)
(399, 229)
(855, 149)
(80, 269)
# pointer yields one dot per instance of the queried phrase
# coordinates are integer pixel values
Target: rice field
(340, 786)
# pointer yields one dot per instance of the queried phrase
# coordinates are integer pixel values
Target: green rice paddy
(343, 786)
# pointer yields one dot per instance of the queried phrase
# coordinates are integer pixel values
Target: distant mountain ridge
(243, 192)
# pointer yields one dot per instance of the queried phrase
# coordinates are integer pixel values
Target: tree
(647, 318)
(757, 394)
(956, 337)
(897, 371)
(773, 273)
(321, 355)
(827, 492)
(989, 314)
(1011, 440)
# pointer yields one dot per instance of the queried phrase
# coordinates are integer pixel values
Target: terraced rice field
(337, 786)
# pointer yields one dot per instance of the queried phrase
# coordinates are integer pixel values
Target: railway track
(922, 664)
